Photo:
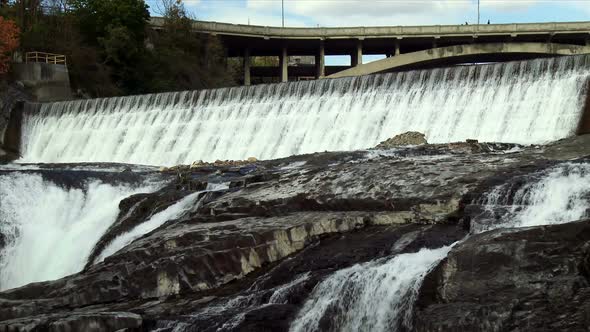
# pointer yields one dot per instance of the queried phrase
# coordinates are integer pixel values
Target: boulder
(407, 138)
(534, 279)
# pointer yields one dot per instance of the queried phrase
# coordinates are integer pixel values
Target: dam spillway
(520, 102)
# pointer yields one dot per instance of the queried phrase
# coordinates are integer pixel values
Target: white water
(172, 212)
(281, 293)
(520, 102)
(374, 296)
(560, 196)
(51, 230)
(379, 295)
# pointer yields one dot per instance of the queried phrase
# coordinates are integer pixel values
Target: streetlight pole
(283, 11)
(477, 12)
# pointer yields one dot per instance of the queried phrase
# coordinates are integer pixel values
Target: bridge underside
(309, 71)
(469, 53)
(513, 41)
(381, 45)
(422, 59)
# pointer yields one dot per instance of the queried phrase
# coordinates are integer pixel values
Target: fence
(57, 59)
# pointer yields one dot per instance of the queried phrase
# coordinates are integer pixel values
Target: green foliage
(183, 60)
(112, 51)
(98, 18)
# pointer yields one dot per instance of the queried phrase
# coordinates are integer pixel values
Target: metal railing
(56, 59)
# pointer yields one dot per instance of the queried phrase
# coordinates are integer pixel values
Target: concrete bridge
(405, 47)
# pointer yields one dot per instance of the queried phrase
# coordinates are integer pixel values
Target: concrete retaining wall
(46, 82)
(12, 101)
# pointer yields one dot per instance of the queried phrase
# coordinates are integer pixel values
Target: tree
(9, 33)
(117, 30)
(183, 59)
(98, 17)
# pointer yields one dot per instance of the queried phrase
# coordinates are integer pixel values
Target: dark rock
(76, 322)
(532, 279)
(307, 216)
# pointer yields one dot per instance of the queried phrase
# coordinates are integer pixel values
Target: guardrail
(56, 59)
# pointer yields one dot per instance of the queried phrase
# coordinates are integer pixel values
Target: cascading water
(49, 231)
(379, 295)
(175, 211)
(518, 102)
(375, 296)
(561, 195)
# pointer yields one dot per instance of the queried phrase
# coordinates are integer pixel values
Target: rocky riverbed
(242, 247)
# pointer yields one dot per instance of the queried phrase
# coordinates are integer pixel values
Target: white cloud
(253, 18)
(368, 12)
(377, 12)
(508, 5)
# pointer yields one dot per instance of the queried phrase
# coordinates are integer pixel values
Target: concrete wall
(12, 134)
(12, 100)
(46, 82)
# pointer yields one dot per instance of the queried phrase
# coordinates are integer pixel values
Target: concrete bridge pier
(284, 64)
(247, 79)
(320, 62)
(435, 42)
(356, 58)
(396, 50)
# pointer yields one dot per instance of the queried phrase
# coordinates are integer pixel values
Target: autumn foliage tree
(9, 39)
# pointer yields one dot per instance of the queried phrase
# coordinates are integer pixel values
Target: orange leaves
(9, 40)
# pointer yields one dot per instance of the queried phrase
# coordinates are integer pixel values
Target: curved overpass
(245, 41)
(462, 54)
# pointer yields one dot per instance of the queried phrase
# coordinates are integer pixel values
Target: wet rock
(91, 322)
(294, 279)
(533, 279)
(284, 218)
(407, 138)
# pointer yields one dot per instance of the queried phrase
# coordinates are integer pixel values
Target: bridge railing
(56, 59)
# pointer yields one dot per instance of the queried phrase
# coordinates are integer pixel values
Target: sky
(339, 13)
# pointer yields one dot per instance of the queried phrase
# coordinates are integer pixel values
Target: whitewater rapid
(49, 230)
(379, 295)
(519, 102)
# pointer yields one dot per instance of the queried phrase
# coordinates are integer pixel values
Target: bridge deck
(251, 40)
(264, 40)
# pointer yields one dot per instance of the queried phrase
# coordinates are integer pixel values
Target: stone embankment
(277, 228)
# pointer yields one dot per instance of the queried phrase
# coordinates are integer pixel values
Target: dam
(323, 231)
(527, 102)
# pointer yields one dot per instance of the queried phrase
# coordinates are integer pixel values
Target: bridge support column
(247, 80)
(320, 58)
(357, 56)
(397, 51)
(284, 64)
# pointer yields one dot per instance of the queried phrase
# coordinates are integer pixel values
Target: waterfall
(375, 296)
(560, 195)
(48, 231)
(174, 211)
(379, 295)
(521, 102)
